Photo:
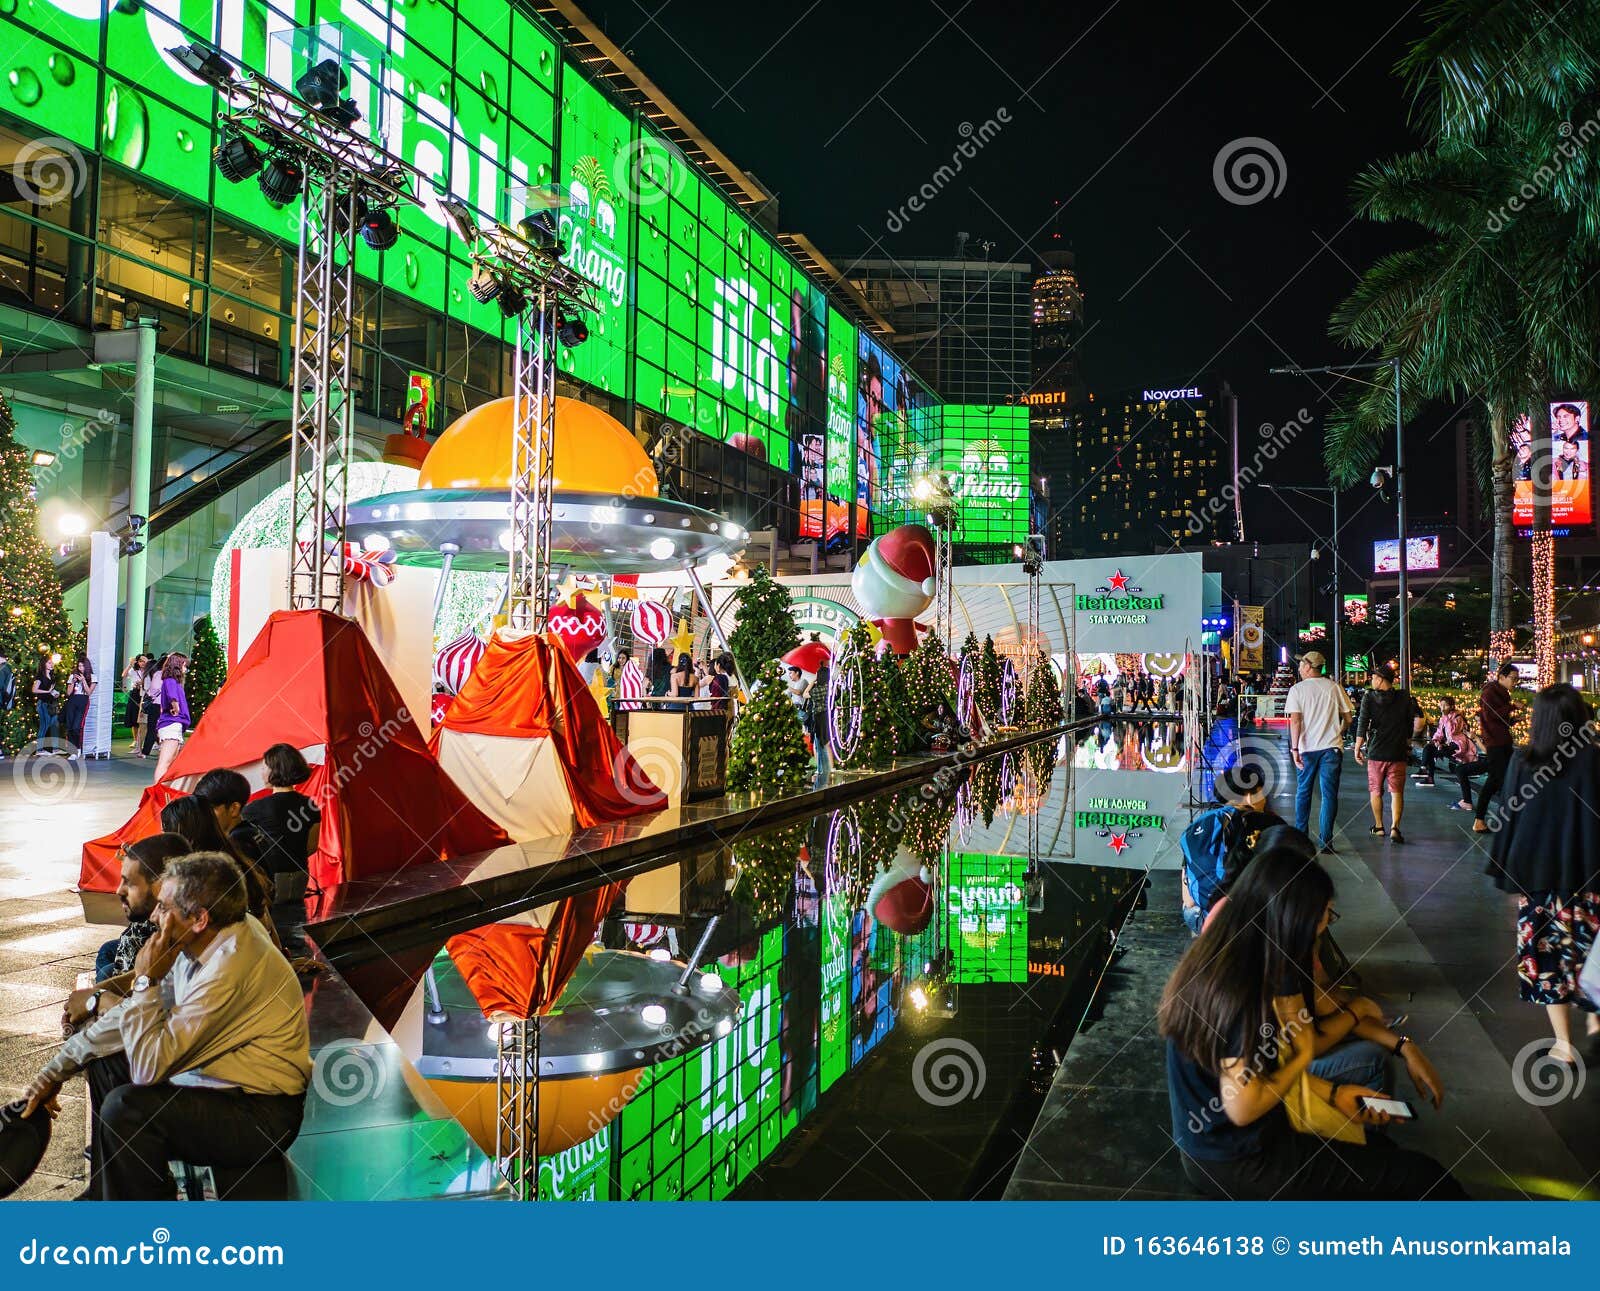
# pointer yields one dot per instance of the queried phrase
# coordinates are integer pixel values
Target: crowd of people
(1136, 692)
(1280, 1073)
(193, 1040)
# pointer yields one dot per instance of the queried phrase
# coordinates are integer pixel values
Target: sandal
(1376, 830)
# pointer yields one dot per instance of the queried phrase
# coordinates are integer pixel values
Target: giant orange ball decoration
(594, 452)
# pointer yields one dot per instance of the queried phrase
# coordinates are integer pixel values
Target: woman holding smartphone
(173, 718)
(1240, 1038)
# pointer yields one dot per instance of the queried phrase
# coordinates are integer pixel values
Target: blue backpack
(1205, 846)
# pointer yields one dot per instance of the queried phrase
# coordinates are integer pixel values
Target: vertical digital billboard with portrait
(1570, 501)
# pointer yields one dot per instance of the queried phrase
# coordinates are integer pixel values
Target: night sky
(1117, 114)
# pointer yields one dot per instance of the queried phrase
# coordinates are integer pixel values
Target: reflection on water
(908, 971)
(1132, 746)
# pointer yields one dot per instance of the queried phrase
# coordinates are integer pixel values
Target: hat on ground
(23, 1140)
(1315, 659)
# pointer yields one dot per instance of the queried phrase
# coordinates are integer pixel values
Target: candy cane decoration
(454, 662)
(631, 685)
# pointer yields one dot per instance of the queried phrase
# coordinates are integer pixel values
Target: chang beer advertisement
(824, 508)
(986, 917)
(702, 1122)
(750, 324)
(579, 1173)
(984, 451)
(834, 1039)
(596, 225)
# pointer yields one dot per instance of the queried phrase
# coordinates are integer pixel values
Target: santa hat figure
(893, 582)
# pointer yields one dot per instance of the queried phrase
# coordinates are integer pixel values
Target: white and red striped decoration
(645, 935)
(631, 685)
(454, 662)
(363, 566)
(652, 623)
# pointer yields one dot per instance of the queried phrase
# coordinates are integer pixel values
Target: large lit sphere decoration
(652, 622)
(469, 600)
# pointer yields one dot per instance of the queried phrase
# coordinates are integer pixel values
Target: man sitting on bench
(208, 1058)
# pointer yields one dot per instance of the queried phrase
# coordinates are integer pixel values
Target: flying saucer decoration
(454, 662)
(652, 623)
(580, 625)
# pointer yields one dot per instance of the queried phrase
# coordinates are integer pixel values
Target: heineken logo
(1103, 822)
(1117, 595)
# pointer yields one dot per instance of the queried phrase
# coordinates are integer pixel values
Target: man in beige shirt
(208, 1058)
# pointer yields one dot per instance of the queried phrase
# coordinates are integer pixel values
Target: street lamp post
(1393, 365)
(1333, 550)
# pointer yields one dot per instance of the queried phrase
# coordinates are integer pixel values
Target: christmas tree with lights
(207, 668)
(767, 865)
(928, 684)
(763, 627)
(767, 753)
(866, 705)
(1042, 705)
(988, 688)
(32, 620)
(908, 731)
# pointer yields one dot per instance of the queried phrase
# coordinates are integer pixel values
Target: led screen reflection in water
(1131, 746)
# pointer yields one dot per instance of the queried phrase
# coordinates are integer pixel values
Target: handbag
(1309, 1114)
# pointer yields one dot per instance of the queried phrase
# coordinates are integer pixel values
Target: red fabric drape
(312, 679)
(527, 688)
(520, 970)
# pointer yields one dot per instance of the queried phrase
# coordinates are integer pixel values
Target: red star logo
(1119, 581)
(1118, 843)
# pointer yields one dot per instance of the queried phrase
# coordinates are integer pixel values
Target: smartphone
(1397, 1108)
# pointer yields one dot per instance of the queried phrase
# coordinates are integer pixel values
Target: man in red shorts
(1389, 719)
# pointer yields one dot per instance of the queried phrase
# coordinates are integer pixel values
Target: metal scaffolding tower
(350, 186)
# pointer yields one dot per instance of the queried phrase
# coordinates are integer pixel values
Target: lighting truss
(543, 293)
(345, 179)
(516, 1127)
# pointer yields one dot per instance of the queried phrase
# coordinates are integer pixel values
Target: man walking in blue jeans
(1318, 712)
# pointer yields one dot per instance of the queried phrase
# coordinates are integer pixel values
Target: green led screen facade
(984, 451)
(705, 321)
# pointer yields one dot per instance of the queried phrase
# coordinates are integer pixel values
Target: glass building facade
(708, 333)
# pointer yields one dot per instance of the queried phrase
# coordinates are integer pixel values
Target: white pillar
(144, 398)
(102, 617)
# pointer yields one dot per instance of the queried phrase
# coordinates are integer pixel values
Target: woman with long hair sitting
(195, 821)
(1240, 1041)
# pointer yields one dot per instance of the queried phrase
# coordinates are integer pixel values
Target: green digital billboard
(986, 917)
(984, 451)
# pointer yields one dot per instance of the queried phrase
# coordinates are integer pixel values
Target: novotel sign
(1187, 392)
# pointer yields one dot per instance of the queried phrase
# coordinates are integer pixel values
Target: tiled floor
(47, 808)
(1432, 939)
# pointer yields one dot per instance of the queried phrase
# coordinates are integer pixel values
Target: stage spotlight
(281, 179)
(539, 230)
(203, 61)
(513, 300)
(237, 158)
(344, 113)
(460, 220)
(379, 230)
(324, 85)
(484, 284)
(571, 330)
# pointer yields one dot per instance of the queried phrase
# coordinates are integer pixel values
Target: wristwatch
(141, 983)
(1400, 1044)
(92, 1004)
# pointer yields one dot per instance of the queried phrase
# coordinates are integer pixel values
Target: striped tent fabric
(652, 622)
(455, 661)
(631, 685)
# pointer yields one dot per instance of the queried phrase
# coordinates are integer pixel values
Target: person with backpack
(1220, 841)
